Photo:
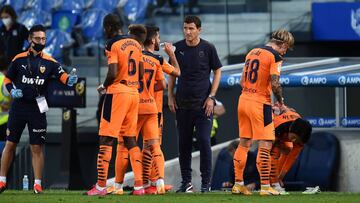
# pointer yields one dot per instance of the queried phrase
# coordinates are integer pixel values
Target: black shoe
(205, 188)
(185, 187)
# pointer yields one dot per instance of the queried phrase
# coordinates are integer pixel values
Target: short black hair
(10, 10)
(151, 32)
(302, 128)
(113, 22)
(4, 62)
(138, 31)
(36, 28)
(193, 19)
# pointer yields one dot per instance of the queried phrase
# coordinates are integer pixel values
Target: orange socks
(147, 163)
(104, 157)
(274, 172)
(121, 162)
(263, 165)
(240, 158)
(158, 159)
(136, 164)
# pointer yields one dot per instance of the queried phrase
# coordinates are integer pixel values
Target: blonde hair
(282, 36)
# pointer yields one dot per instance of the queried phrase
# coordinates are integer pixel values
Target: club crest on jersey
(42, 69)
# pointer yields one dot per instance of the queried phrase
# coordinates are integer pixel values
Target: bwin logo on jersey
(31, 81)
(355, 20)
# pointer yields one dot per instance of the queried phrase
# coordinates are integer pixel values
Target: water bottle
(73, 71)
(25, 183)
(162, 46)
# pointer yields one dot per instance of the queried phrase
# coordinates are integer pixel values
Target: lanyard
(31, 73)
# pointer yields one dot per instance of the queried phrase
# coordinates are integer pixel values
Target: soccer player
(152, 44)
(148, 116)
(260, 77)
(120, 107)
(292, 133)
(26, 80)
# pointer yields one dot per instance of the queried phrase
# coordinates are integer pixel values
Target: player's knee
(130, 142)
(151, 142)
(10, 147)
(245, 142)
(106, 140)
(36, 150)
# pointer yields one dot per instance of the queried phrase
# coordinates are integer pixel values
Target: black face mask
(38, 47)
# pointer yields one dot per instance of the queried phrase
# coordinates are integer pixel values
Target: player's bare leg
(38, 165)
(6, 159)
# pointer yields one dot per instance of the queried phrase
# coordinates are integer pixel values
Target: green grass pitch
(61, 196)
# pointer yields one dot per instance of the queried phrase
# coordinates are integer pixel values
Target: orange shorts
(148, 126)
(119, 115)
(255, 120)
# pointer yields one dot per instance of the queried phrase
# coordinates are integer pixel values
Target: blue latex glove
(72, 80)
(16, 93)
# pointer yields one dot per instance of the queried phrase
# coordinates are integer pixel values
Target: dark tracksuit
(30, 74)
(192, 90)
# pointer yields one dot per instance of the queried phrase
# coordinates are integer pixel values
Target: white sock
(118, 185)
(160, 182)
(138, 188)
(276, 185)
(240, 183)
(99, 188)
(3, 179)
(37, 181)
(265, 185)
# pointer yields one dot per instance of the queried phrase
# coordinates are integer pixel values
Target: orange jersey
(127, 53)
(168, 69)
(282, 124)
(153, 73)
(260, 64)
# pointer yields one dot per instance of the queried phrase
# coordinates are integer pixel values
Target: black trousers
(187, 119)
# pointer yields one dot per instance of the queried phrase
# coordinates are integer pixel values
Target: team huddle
(133, 105)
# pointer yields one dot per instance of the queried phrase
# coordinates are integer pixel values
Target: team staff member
(12, 33)
(260, 77)
(26, 81)
(292, 133)
(195, 99)
(121, 103)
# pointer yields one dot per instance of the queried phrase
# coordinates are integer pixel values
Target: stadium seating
(108, 5)
(56, 42)
(64, 20)
(92, 24)
(317, 164)
(135, 10)
(75, 6)
(31, 17)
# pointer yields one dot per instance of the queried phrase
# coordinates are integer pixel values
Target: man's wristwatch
(212, 97)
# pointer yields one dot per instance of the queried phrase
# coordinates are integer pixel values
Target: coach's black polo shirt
(196, 63)
(12, 41)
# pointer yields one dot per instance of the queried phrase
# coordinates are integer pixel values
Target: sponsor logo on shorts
(38, 130)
